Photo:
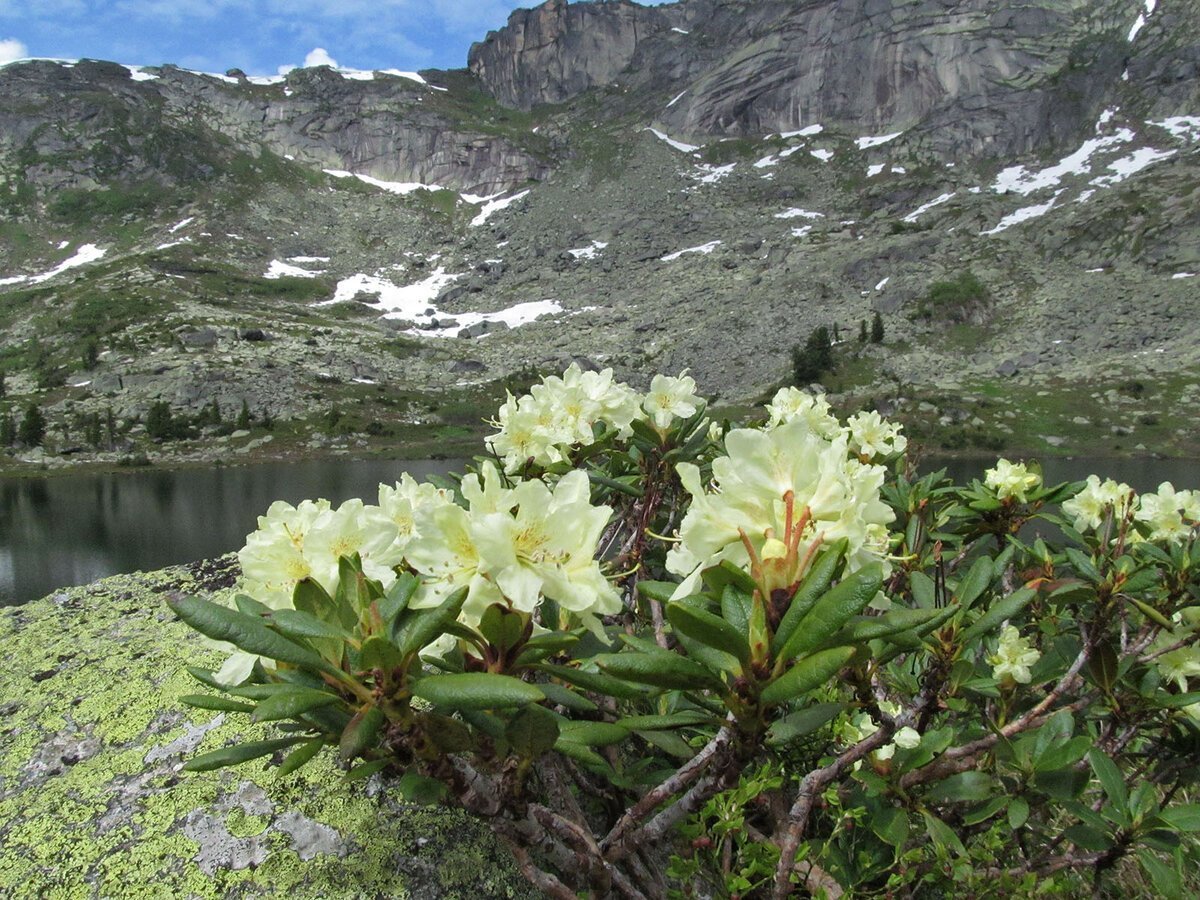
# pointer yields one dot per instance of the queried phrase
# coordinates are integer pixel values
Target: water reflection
(75, 529)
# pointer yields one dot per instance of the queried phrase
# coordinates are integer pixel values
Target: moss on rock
(93, 802)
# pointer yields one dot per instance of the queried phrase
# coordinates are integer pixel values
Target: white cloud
(319, 56)
(11, 49)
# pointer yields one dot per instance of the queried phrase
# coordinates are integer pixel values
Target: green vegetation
(814, 359)
(955, 300)
(877, 329)
(33, 426)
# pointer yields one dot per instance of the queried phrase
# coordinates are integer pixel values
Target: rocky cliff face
(968, 78)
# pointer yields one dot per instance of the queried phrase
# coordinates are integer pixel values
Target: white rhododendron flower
(1180, 664)
(767, 481)
(670, 398)
(1169, 513)
(872, 436)
(1011, 481)
(861, 726)
(1013, 657)
(561, 412)
(352, 528)
(402, 503)
(793, 403)
(1090, 507)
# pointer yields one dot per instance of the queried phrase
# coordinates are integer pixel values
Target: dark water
(74, 529)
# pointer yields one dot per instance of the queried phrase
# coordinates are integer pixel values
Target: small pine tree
(243, 419)
(90, 354)
(862, 331)
(877, 329)
(159, 422)
(214, 413)
(8, 429)
(92, 431)
(110, 427)
(33, 426)
(3, 389)
(814, 358)
(836, 336)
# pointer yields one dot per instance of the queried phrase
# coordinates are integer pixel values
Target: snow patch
(802, 231)
(864, 143)
(1018, 179)
(513, 317)
(1023, 215)
(308, 259)
(677, 97)
(591, 251)
(880, 286)
(1179, 275)
(139, 73)
(169, 244)
(709, 174)
(279, 269)
(797, 213)
(822, 155)
(680, 31)
(874, 170)
(492, 205)
(807, 131)
(925, 207)
(1185, 127)
(410, 301)
(703, 248)
(678, 145)
(1138, 25)
(179, 225)
(392, 187)
(1129, 165)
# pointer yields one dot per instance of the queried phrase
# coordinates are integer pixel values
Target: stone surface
(93, 802)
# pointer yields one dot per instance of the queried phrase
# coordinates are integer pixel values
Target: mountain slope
(694, 185)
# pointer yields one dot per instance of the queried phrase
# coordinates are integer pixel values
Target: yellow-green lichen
(92, 802)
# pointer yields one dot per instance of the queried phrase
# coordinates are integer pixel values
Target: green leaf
(296, 624)
(502, 627)
(709, 629)
(365, 770)
(250, 634)
(565, 697)
(621, 487)
(206, 677)
(894, 621)
(834, 610)
(476, 690)
(805, 675)
(1087, 838)
(1165, 879)
(657, 590)
(251, 607)
(239, 753)
(395, 599)
(669, 742)
(1182, 816)
(975, 582)
(1059, 756)
(1110, 778)
(985, 811)
(1004, 608)
(736, 608)
(801, 723)
(310, 597)
(545, 645)
(208, 701)
(890, 825)
(597, 682)
(1083, 565)
(1150, 612)
(533, 732)
(291, 704)
(942, 835)
(682, 719)
(421, 790)
(418, 627)
(379, 653)
(300, 756)
(814, 586)
(663, 669)
(717, 578)
(594, 734)
(1018, 812)
(923, 589)
(581, 753)
(1103, 665)
(965, 787)
(361, 733)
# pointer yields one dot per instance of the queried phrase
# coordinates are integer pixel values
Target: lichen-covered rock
(93, 802)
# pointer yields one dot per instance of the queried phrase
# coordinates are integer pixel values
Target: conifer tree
(877, 329)
(33, 426)
(243, 419)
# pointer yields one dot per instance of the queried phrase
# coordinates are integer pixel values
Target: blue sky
(258, 36)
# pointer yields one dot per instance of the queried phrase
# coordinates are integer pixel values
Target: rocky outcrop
(967, 78)
(90, 124)
(93, 802)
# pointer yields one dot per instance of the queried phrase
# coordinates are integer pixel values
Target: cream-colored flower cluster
(1014, 657)
(561, 412)
(1091, 506)
(869, 435)
(787, 477)
(1012, 481)
(1170, 515)
(511, 545)
(861, 726)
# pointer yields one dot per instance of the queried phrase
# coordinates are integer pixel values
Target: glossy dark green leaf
(594, 734)
(833, 610)
(717, 578)
(310, 597)
(210, 701)
(581, 753)
(419, 789)
(567, 698)
(296, 624)
(365, 770)
(814, 586)
(736, 608)
(395, 599)
(1088, 838)
(923, 589)
(985, 811)
(1182, 816)
(890, 825)
(379, 653)
(533, 731)
(416, 628)
(290, 704)
(206, 677)
(251, 607)
(802, 723)
(657, 590)
(942, 835)
(476, 690)
(301, 756)
(682, 719)
(662, 669)
(810, 672)
(709, 629)
(239, 753)
(975, 582)
(893, 622)
(246, 632)
(598, 682)
(965, 787)
(1103, 665)
(669, 742)
(1004, 608)
(1018, 812)
(502, 627)
(362, 732)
